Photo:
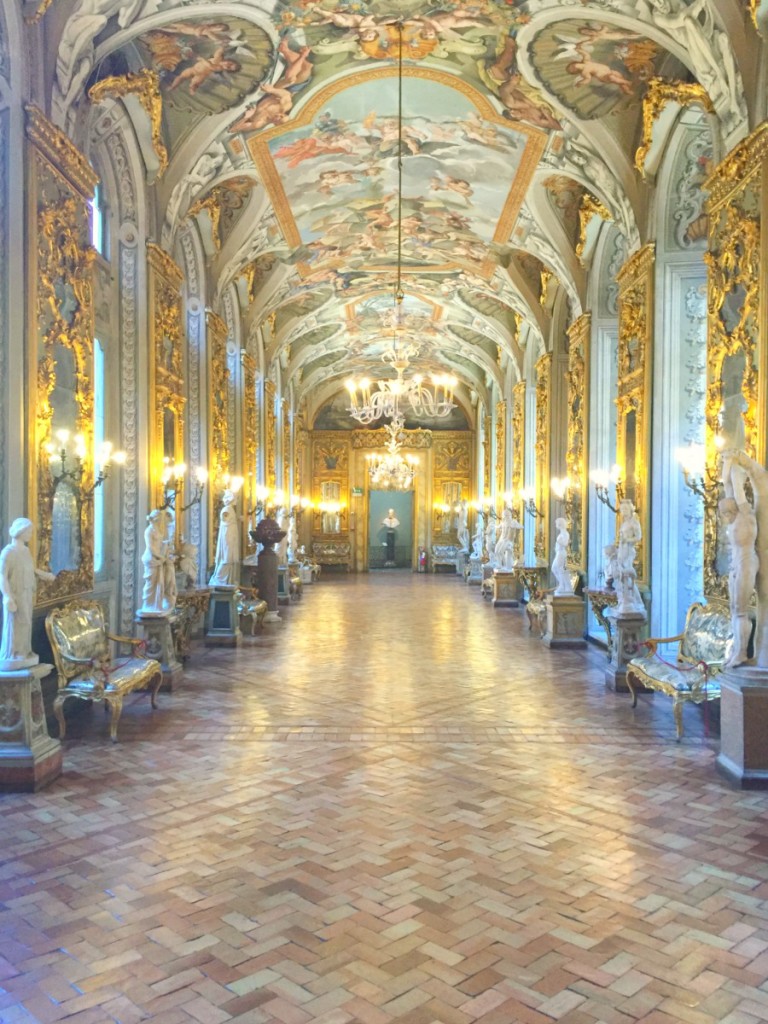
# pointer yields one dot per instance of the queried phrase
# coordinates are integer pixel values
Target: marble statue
(188, 565)
(18, 583)
(158, 596)
(490, 539)
(462, 530)
(611, 565)
(226, 571)
(283, 520)
(477, 540)
(564, 586)
(738, 517)
(390, 520)
(291, 539)
(505, 551)
(630, 535)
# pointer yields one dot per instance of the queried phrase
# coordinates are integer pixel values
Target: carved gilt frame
(634, 385)
(737, 261)
(579, 336)
(542, 443)
(61, 184)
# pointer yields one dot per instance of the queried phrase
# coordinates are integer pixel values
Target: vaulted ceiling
(279, 131)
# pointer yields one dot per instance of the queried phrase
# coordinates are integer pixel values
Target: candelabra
(700, 478)
(73, 473)
(603, 480)
(173, 486)
(392, 471)
(485, 509)
(529, 503)
(565, 492)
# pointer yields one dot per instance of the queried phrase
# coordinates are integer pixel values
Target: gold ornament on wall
(541, 451)
(145, 86)
(658, 94)
(270, 430)
(579, 334)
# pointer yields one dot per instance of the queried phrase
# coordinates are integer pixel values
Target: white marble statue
(226, 571)
(738, 517)
(477, 540)
(291, 539)
(188, 564)
(505, 552)
(74, 60)
(564, 586)
(630, 535)
(758, 478)
(283, 521)
(18, 583)
(390, 520)
(611, 565)
(490, 538)
(158, 594)
(462, 529)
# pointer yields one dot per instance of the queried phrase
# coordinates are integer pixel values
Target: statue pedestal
(156, 630)
(474, 572)
(628, 636)
(266, 576)
(743, 758)
(222, 627)
(506, 589)
(389, 559)
(566, 621)
(29, 757)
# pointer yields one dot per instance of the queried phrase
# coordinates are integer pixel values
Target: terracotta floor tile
(396, 807)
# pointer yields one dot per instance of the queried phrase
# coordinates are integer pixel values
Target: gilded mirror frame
(61, 185)
(579, 338)
(330, 465)
(517, 431)
(218, 428)
(737, 258)
(542, 445)
(451, 475)
(635, 355)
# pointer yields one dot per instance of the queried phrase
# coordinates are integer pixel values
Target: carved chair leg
(153, 692)
(58, 710)
(677, 708)
(115, 701)
(632, 689)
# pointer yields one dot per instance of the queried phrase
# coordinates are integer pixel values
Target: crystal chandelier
(370, 401)
(392, 471)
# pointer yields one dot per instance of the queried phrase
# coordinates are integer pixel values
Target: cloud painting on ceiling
(334, 180)
(593, 68)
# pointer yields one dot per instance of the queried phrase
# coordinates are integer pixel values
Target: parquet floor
(397, 806)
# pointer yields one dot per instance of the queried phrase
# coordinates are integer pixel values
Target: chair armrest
(134, 641)
(653, 641)
(78, 661)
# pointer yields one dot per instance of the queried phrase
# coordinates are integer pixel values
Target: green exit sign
(357, 492)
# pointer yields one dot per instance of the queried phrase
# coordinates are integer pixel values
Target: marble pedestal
(566, 622)
(156, 630)
(267, 582)
(222, 627)
(29, 757)
(506, 589)
(743, 758)
(629, 629)
(474, 572)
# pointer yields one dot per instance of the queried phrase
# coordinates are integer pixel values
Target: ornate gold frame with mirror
(737, 291)
(330, 484)
(61, 359)
(634, 389)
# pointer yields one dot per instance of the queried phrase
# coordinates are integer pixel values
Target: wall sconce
(564, 492)
(529, 505)
(298, 507)
(484, 508)
(103, 461)
(442, 511)
(698, 477)
(173, 485)
(603, 480)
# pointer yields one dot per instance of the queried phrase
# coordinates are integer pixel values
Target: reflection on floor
(396, 806)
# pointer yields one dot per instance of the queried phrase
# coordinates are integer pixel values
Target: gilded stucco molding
(501, 447)
(378, 439)
(579, 335)
(57, 148)
(743, 162)
(145, 86)
(541, 451)
(270, 431)
(518, 436)
(588, 208)
(658, 94)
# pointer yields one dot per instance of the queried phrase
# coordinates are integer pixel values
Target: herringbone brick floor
(397, 806)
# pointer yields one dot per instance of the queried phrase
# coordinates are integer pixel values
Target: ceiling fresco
(281, 122)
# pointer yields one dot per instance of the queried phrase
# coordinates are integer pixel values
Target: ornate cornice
(589, 207)
(743, 161)
(657, 96)
(636, 265)
(145, 86)
(162, 264)
(56, 147)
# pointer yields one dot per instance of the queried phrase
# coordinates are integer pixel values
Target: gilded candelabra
(71, 465)
(566, 493)
(173, 486)
(700, 478)
(603, 481)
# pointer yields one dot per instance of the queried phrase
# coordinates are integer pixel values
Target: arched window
(99, 223)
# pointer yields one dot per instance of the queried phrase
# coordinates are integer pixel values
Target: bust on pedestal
(29, 757)
(391, 522)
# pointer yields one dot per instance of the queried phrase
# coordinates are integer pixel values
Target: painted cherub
(198, 73)
(273, 108)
